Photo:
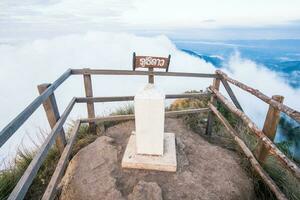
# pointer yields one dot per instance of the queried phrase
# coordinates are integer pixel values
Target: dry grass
(10, 176)
(196, 122)
(283, 178)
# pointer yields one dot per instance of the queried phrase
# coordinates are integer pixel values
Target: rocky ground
(204, 170)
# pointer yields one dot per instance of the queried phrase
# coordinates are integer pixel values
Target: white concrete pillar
(149, 108)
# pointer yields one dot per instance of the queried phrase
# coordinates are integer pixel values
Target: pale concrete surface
(149, 109)
(166, 162)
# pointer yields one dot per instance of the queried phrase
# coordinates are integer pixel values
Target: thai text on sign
(150, 62)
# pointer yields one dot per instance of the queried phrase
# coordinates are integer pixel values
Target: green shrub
(10, 176)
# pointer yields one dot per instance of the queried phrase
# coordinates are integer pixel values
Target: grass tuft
(282, 177)
(128, 109)
(196, 122)
(9, 177)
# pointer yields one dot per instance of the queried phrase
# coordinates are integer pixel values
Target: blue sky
(194, 19)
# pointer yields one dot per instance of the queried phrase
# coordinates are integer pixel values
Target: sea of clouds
(24, 66)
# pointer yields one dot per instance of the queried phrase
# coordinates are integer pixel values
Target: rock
(205, 171)
(146, 191)
(88, 174)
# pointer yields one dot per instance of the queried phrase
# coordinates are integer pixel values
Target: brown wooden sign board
(151, 62)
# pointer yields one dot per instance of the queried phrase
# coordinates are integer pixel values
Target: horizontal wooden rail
(252, 126)
(22, 186)
(130, 117)
(24, 183)
(61, 165)
(189, 95)
(15, 124)
(283, 108)
(130, 98)
(139, 73)
(256, 166)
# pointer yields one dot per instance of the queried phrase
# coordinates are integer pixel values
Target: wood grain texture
(231, 94)
(17, 122)
(169, 61)
(210, 118)
(22, 186)
(131, 117)
(131, 98)
(62, 164)
(283, 108)
(133, 61)
(254, 129)
(139, 73)
(52, 113)
(255, 164)
(151, 62)
(151, 76)
(270, 127)
(90, 105)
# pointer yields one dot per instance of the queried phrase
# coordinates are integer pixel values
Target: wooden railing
(57, 133)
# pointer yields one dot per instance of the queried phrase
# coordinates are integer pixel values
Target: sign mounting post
(151, 62)
(149, 146)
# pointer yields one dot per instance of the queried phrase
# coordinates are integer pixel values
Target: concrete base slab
(166, 162)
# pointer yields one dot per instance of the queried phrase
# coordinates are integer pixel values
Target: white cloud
(64, 11)
(71, 16)
(25, 66)
(263, 79)
(194, 13)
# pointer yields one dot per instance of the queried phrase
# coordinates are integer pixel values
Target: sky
(190, 19)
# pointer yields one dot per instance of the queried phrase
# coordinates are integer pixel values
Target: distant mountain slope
(216, 61)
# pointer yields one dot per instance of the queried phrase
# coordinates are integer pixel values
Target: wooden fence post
(270, 127)
(90, 105)
(53, 116)
(210, 119)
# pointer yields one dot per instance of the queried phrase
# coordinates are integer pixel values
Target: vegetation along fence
(57, 121)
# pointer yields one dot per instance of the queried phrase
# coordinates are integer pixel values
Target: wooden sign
(151, 62)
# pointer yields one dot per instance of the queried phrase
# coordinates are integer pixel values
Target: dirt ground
(204, 170)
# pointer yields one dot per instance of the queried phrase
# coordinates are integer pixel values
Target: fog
(24, 66)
